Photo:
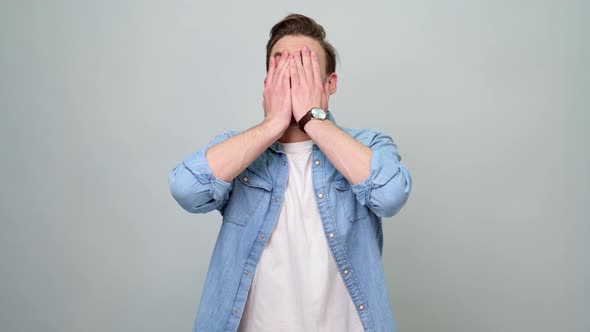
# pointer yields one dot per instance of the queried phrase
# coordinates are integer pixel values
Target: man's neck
(293, 135)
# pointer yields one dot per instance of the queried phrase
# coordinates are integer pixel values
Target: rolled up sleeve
(193, 185)
(388, 186)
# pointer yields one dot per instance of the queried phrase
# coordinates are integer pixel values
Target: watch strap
(304, 120)
(307, 117)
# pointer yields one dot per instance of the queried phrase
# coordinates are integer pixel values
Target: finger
(293, 72)
(271, 71)
(287, 72)
(280, 75)
(299, 66)
(307, 64)
(317, 73)
(283, 61)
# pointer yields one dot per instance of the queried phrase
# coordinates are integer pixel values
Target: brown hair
(297, 24)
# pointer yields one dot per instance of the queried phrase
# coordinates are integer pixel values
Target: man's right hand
(277, 92)
(229, 158)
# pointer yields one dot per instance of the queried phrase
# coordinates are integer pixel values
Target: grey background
(487, 101)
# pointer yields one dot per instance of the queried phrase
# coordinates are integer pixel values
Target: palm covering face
(293, 85)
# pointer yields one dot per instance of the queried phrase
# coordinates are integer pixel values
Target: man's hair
(297, 24)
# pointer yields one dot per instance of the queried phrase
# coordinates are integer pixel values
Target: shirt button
(236, 310)
(276, 199)
(331, 235)
(345, 272)
(317, 163)
(320, 195)
(361, 307)
(245, 178)
(261, 236)
(245, 272)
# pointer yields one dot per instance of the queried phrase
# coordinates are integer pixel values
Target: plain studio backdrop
(487, 101)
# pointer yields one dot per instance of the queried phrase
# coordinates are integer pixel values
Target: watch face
(318, 113)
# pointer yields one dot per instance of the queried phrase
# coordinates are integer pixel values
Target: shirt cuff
(198, 165)
(383, 167)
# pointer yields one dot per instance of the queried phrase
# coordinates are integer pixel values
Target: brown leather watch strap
(304, 120)
(307, 117)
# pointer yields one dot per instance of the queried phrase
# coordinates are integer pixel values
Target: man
(300, 244)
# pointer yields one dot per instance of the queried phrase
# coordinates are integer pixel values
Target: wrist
(313, 115)
(274, 127)
(299, 114)
(315, 126)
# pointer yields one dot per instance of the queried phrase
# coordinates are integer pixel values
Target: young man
(302, 199)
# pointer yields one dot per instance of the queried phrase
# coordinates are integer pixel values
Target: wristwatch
(315, 113)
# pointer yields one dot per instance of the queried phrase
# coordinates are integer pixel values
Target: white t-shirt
(297, 286)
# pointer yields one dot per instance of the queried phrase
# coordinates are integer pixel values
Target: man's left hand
(307, 87)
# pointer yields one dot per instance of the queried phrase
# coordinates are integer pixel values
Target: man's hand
(307, 87)
(277, 93)
(231, 156)
(351, 158)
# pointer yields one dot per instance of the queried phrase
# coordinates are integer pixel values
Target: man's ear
(332, 83)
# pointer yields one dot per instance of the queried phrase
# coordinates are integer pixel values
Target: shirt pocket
(248, 192)
(346, 201)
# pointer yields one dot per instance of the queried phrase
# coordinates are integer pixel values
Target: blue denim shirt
(250, 206)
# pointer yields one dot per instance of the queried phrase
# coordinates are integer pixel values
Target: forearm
(351, 158)
(230, 157)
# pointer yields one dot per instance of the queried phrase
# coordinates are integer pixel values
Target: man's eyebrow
(277, 53)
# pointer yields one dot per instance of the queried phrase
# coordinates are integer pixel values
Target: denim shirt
(250, 206)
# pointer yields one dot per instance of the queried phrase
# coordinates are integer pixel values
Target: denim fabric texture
(250, 205)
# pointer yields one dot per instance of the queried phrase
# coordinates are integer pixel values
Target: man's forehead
(295, 43)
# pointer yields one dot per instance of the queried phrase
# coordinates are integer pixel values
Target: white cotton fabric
(297, 286)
